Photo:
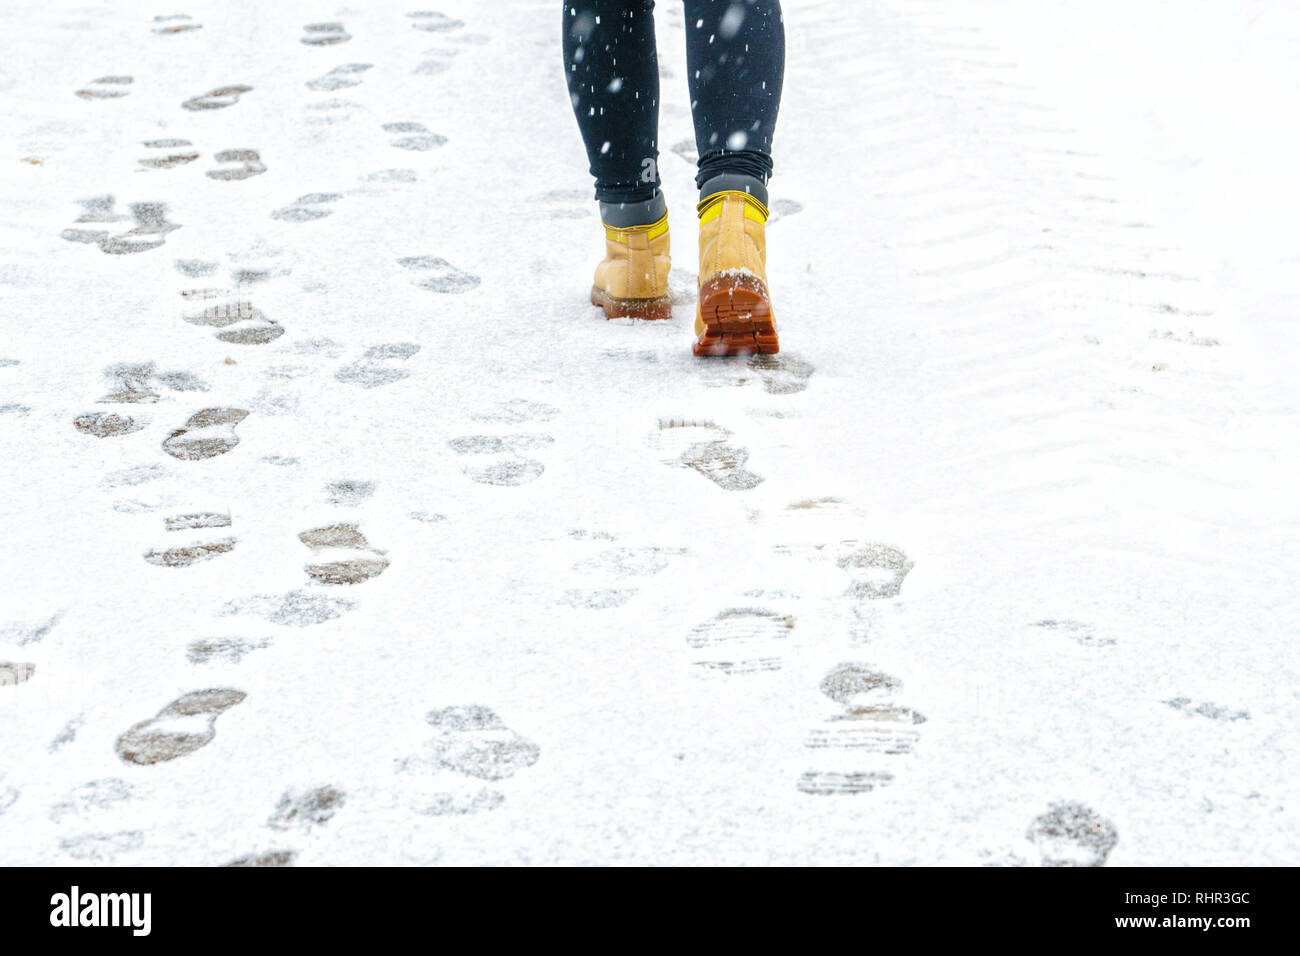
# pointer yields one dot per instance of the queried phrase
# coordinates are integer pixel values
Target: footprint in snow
(169, 25)
(349, 491)
(342, 555)
(67, 735)
(177, 153)
(472, 740)
(431, 21)
(341, 77)
(450, 804)
(300, 608)
(195, 268)
(615, 567)
(516, 411)
(101, 847)
(332, 111)
(149, 231)
(13, 673)
(237, 164)
(377, 366)
(237, 322)
(106, 88)
(229, 650)
(179, 729)
(859, 746)
(307, 208)
(90, 797)
(413, 136)
(217, 99)
(439, 275)
(30, 632)
(877, 570)
(107, 424)
(205, 434)
(185, 555)
(269, 858)
(740, 641)
(324, 34)
(380, 178)
(783, 374)
(438, 60)
(1207, 709)
(1071, 834)
(135, 383)
(303, 811)
(503, 461)
(703, 447)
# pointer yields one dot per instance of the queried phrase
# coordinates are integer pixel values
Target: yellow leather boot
(632, 279)
(735, 310)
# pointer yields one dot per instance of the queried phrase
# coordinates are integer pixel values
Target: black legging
(735, 57)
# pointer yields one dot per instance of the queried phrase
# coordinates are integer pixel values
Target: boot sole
(648, 309)
(737, 315)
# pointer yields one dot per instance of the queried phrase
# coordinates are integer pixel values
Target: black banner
(1218, 907)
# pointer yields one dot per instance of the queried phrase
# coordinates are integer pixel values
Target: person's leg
(735, 60)
(735, 57)
(612, 71)
(613, 77)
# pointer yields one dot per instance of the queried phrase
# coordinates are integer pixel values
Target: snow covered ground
(339, 528)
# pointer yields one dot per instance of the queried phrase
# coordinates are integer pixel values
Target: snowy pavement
(340, 529)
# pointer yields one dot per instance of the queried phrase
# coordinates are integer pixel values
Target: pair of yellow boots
(734, 313)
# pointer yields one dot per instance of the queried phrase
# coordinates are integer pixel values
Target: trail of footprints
(470, 741)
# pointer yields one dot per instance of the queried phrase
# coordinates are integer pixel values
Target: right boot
(734, 315)
(632, 279)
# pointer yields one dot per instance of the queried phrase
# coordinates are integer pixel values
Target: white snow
(993, 564)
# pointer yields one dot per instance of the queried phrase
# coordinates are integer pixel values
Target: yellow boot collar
(652, 231)
(710, 208)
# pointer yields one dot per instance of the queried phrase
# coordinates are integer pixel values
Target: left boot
(632, 279)
(735, 309)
